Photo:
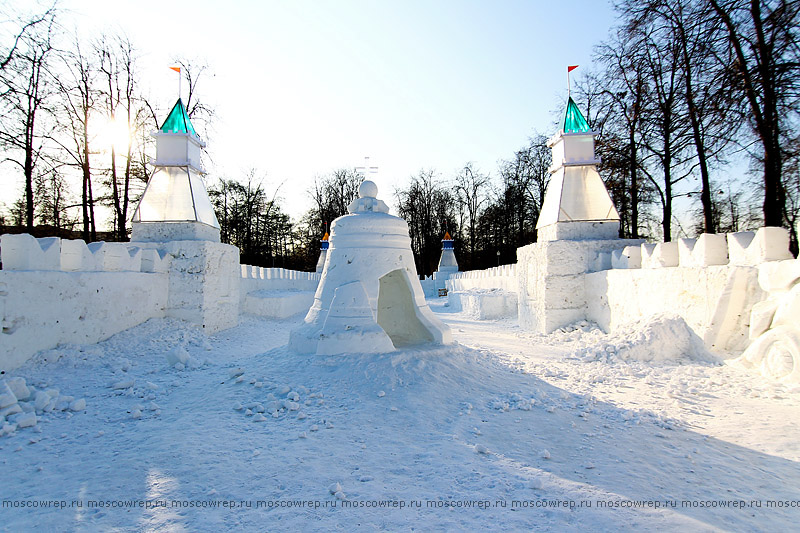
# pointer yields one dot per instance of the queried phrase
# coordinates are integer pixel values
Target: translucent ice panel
(576, 194)
(175, 194)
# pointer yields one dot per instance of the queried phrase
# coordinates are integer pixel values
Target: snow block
(603, 261)
(155, 260)
(685, 248)
(484, 304)
(664, 254)
(769, 244)
(75, 256)
(551, 279)
(715, 301)
(25, 420)
(164, 232)
(737, 247)
(628, 257)
(647, 249)
(204, 279)
(711, 249)
(110, 256)
(40, 310)
(134, 259)
(23, 252)
(579, 231)
(7, 397)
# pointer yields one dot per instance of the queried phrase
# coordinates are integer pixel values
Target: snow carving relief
(775, 324)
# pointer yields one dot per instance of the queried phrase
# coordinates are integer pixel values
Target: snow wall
(712, 282)
(276, 292)
(485, 294)
(55, 291)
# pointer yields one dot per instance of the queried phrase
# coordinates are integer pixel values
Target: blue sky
(303, 87)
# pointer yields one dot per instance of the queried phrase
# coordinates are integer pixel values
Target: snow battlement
(24, 252)
(746, 248)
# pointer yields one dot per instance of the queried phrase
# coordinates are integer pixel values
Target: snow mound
(663, 338)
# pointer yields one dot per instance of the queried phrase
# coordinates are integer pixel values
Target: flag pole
(570, 68)
(569, 86)
(180, 79)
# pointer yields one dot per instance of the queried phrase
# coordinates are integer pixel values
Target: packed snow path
(508, 430)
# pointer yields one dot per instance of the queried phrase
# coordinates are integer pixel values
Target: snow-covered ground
(507, 430)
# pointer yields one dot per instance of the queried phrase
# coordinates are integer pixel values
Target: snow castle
(369, 299)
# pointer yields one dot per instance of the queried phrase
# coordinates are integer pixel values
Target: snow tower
(175, 205)
(323, 252)
(576, 205)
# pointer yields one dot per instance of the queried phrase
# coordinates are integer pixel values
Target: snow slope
(530, 424)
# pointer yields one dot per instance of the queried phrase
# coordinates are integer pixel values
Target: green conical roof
(178, 120)
(573, 119)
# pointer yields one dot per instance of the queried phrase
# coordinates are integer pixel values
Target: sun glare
(115, 133)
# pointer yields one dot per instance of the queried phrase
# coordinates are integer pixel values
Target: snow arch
(397, 314)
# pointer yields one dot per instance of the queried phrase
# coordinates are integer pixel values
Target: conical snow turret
(576, 205)
(175, 204)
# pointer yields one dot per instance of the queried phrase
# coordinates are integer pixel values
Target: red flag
(176, 69)
(572, 67)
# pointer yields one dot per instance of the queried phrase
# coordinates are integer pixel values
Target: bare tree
(78, 98)
(427, 206)
(625, 92)
(25, 92)
(470, 191)
(763, 37)
(117, 64)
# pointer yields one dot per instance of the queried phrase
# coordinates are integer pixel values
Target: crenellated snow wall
(55, 291)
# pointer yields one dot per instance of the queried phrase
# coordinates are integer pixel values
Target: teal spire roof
(573, 119)
(178, 120)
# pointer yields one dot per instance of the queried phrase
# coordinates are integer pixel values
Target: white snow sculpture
(775, 323)
(576, 205)
(323, 252)
(369, 299)
(175, 205)
(447, 261)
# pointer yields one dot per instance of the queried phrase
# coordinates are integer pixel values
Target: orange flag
(176, 69)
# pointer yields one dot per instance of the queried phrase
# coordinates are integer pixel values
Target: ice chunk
(120, 385)
(7, 399)
(26, 420)
(11, 410)
(19, 388)
(41, 401)
(78, 405)
(177, 355)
